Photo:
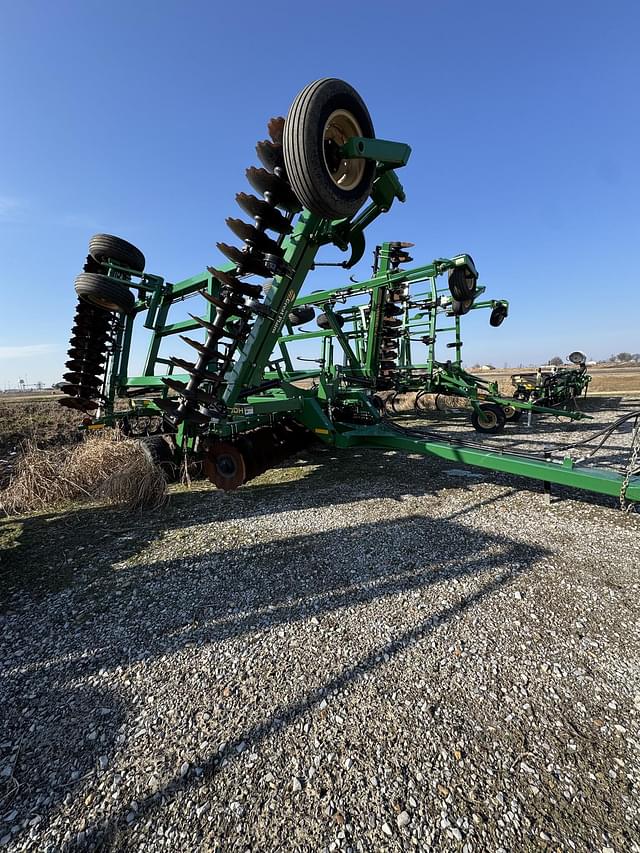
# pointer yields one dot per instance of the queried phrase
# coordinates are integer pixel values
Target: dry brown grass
(103, 468)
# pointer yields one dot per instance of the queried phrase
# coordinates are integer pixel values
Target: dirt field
(605, 380)
(364, 651)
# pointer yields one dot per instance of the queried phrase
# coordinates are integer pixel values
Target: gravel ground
(367, 652)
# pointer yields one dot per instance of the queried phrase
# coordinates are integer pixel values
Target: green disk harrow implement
(237, 403)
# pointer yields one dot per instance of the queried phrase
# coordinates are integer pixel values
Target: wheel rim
(103, 302)
(509, 412)
(339, 128)
(225, 466)
(488, 420)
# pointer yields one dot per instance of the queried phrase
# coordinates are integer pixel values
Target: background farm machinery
(556, 386)
(383, 349)
(238, 403)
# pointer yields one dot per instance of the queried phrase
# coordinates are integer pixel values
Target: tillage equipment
(238, 404)
(556, 386)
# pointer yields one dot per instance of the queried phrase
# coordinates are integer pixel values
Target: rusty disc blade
(224, 465)
(276, 129)
(270, 155)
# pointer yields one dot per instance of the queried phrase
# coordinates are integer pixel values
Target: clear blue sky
(138, 118)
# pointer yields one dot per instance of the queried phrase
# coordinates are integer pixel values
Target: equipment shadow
(240, 591)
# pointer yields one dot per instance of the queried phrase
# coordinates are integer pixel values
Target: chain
(632, 467)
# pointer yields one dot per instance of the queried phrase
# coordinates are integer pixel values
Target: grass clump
(102, 468)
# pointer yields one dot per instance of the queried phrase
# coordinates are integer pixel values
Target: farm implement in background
(381, 346)
(556, 386)
(237, 403)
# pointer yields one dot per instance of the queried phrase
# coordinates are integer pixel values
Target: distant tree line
(620, 358)
(624, 357)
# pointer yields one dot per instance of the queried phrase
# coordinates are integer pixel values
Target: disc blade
(268, 216)
(230, 281)
(78, 403)
(270, 155)
(275, 189)
(250, 234)
(193, 370)
(247, 262)
(226, 309)
(201, 348)
(276, 129)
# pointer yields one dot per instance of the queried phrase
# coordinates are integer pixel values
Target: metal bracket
(391, 155)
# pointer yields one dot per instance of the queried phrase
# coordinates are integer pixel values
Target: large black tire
(322, 117)
(104, 292)
(105, 246)
(463, 283)
(491, 418)
(323, 321)
(300, 315)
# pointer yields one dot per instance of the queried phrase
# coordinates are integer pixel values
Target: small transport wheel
(498, 315)
(323, 321)
(103, 247)
(511, 413)
(490, 418)
(105, 292)
(303, 314)
(463, 283)
(322, 118)
(460, 307)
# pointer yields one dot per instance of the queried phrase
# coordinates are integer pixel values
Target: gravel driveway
(367, 652)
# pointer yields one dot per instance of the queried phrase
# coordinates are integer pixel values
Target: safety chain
(631, 468)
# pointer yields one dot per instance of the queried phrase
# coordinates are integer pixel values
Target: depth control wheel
(103, 247)
(302, 314)
(322, 321)
(105, 292)
(490, 418)
(322, 118)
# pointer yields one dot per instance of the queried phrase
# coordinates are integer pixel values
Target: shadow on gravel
(327, 587)
(239, 591)
(41, 554)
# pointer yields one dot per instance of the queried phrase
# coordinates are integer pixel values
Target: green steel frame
(338, 389)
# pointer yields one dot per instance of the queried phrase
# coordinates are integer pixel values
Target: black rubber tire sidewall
(460, 286)
(459, 307)
(303, 314)
(322, 322)
(500, 420)
(104, 246)
(497, 317)
(303, 147)
(103, 292)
